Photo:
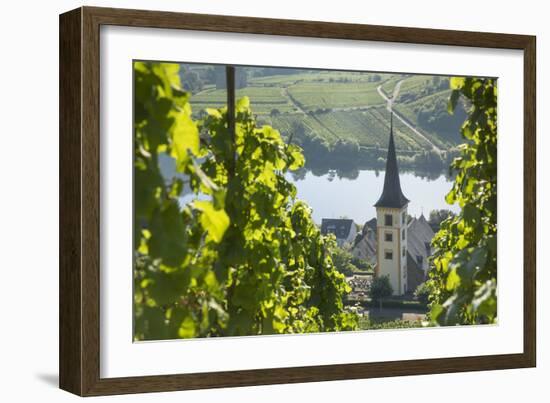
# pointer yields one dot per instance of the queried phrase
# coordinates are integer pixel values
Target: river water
(334, 197)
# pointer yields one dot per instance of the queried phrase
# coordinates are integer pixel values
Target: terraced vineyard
(284, 123)
(370, 128)
(315, 76)
(429, 113)
(263, 99)
(335, 95)
(346, 106)
(411, 84)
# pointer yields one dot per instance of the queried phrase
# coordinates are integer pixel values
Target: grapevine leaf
(185, 140)
(215, 222)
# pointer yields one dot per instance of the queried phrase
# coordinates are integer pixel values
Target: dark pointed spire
(392, 196)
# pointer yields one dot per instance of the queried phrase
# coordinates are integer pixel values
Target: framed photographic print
(251, 201)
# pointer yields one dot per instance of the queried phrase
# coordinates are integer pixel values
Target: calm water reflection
(334, 197)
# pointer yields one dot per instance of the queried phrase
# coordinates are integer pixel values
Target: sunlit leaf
(215, 222)
(185, 140)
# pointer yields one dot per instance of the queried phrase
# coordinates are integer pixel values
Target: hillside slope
(340, 106)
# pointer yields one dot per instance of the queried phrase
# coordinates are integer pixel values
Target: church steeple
(392, 196)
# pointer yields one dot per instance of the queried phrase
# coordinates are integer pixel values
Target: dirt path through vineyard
(399, 116)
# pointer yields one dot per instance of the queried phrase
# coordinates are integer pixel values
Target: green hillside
(263, 99)
(322, 94)
(329, 109)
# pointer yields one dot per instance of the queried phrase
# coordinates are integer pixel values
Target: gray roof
(370, 248)
(415, 274)
(420, 236)
(340, 227)
(365, 244)
(370, 224)
(392, 196)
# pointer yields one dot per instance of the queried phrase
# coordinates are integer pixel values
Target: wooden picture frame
(80, 199)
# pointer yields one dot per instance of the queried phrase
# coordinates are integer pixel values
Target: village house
(343, 229)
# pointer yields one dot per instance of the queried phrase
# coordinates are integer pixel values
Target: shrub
(342, 260)
(380, 289)
(422, 293)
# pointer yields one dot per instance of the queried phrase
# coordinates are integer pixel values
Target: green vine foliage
(463, 277)
(244, 257)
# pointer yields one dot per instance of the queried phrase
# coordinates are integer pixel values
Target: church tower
(391, 225)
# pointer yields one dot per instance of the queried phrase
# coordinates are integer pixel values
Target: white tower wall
(392, 247)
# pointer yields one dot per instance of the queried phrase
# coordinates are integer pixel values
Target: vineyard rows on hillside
(346, 106)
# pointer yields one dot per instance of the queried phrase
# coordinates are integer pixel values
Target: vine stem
(230, 84)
